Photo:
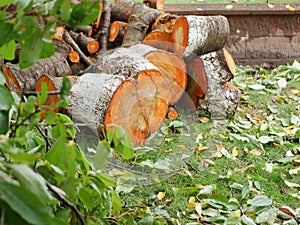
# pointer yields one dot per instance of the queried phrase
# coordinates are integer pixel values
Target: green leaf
(28, 205)
(6, 98)
(6, 32)
(4, 121)
(7, 51)
(84, 13)
(247, 221)
(32, 181)
(5, 2)
(107, 180)
(48, 48)
(88, 197)
(101, 155)
(62, 156)
(116, 203)
(261, 200)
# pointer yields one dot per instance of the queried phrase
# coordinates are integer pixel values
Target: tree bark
(138, 23)
(221, 98)
(206, 34)
(104, 102)
(25, 80)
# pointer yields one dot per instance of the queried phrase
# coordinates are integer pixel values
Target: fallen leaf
(204, 119)
(161, 195)
(270, 5)
(256, 152)
(192, 201)
(291, 184)
(198, 208)
(234, 151)
(294, 171)
(156, 180)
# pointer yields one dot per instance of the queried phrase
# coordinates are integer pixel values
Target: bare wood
(172, 30)
(68, 39)
(74, 57)
(206, 34)
(25, 80)
(59, 31)
(131, 61)
(104, 102)
(172, 113)
(116, 33)
(138, 23)
(197, 80)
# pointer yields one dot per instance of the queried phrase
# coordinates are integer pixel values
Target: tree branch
(69, 204)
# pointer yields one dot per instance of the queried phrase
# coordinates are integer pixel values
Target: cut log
(169, 32)
(105, 101)
(25, 80)
(116, 33)
(221, 98)
(74, 57)
(87, 30)
(121, 10)
(197, 80)
(88, 44)
(219, 66)
(172, 113)
(206, 34)
(138, 23)
(138, 58)
(69, 40)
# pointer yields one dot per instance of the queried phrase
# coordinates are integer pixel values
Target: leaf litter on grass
(240, 170)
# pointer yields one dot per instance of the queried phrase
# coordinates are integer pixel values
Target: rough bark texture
(25, 80)
(155, 4)
(220, 100)
(221, 97)
(88, 44)
(121, 10)
(217, 67)
(138, 23)
(90, 96)
(206, 34)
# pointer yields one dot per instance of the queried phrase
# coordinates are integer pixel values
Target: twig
(44, 136)
(99, 15)
(105, 27)
(37, 92)
(69, 204)
(69, 40)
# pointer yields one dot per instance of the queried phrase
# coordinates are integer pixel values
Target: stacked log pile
(132, 64)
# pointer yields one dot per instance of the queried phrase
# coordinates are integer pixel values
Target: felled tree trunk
(25, 80)
(206, 34)
(221, 97)
(104, 101)
(116, 33)
(169, 32)
(142, 58)
(140, 19)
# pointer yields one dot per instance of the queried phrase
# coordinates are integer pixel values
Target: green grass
(190, 149)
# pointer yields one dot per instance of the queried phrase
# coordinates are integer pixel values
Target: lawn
(239, 170)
